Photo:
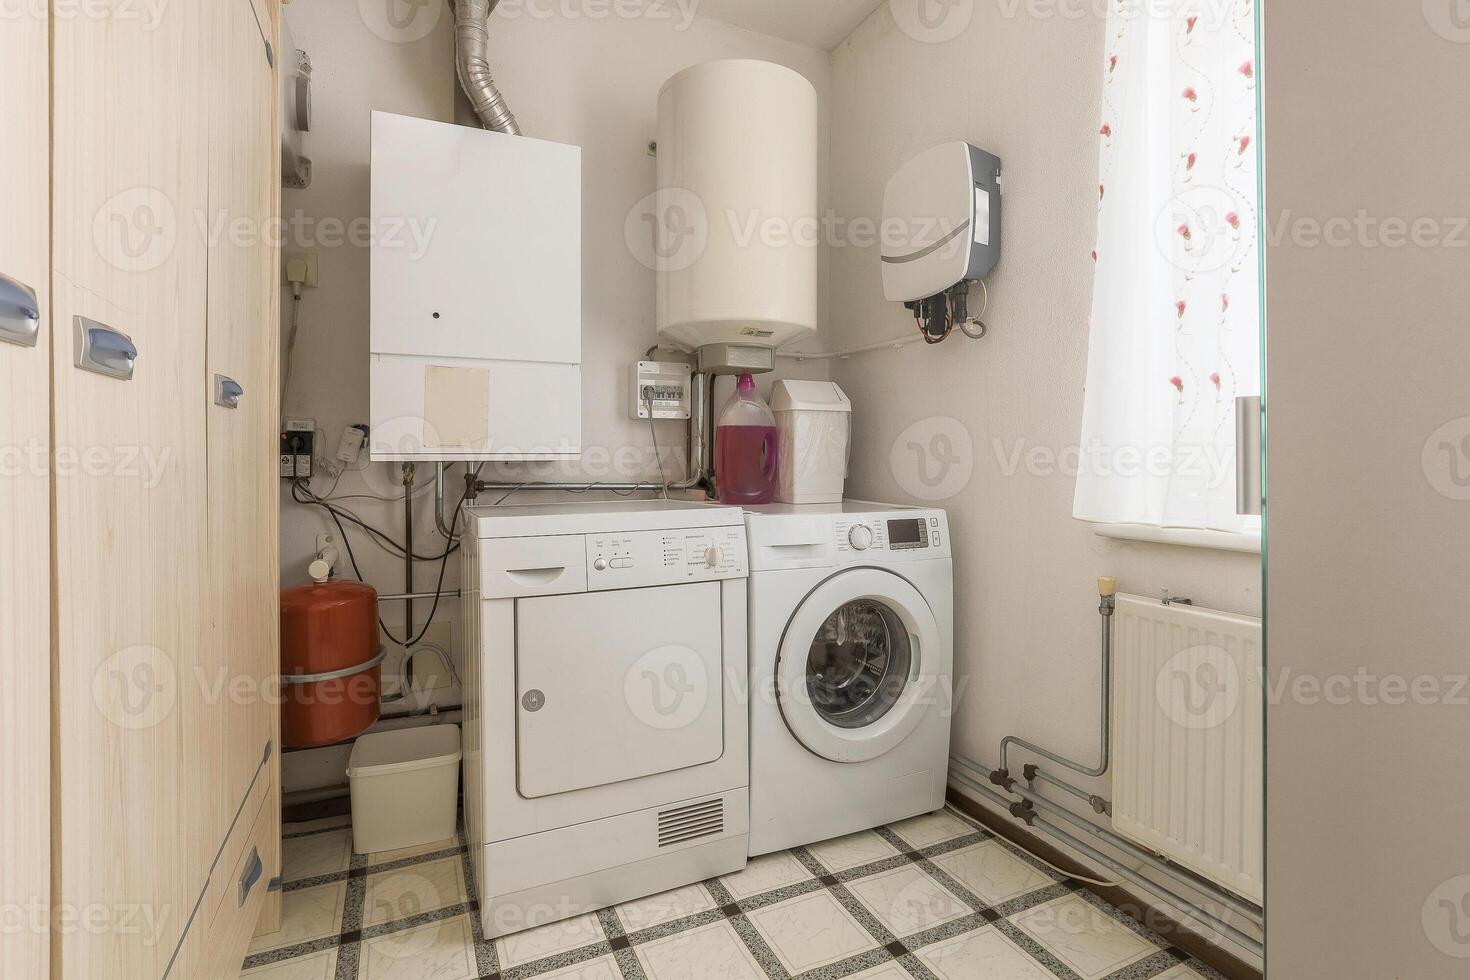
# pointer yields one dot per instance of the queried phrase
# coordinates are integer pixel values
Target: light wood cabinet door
(242, 355)
(25, 537)
(129, 173)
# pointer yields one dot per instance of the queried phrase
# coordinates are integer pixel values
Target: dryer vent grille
(691, 822)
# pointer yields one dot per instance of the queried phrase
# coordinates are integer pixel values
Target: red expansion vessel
(330, 663)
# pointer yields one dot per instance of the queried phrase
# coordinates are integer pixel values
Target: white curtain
(1175, 328)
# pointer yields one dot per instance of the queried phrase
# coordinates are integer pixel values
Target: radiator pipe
(408, 475)
(413, 596)
(1107, 591)
(440, 521)
(1184, 876)
(1207, 919)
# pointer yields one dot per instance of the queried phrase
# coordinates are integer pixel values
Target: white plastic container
(814, 432)
(405, 787)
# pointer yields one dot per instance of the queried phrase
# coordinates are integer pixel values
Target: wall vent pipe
(472, 64)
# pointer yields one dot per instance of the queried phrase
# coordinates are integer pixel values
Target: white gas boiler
(476, 307)
(605, 753)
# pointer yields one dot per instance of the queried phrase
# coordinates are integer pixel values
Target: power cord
(443, 560)
(653, 431)
(303, 494)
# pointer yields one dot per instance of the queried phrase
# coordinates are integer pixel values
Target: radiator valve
(1002, 778)
(1024, 812)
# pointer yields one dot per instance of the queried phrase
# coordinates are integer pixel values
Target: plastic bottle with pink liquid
(745, 448)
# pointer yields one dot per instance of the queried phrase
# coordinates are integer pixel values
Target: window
(1175, 328)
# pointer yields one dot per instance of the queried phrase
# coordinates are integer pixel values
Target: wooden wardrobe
(138, 559)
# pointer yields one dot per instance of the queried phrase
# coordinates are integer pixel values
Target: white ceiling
(817, 23)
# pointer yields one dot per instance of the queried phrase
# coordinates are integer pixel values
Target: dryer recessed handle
(20, 312)
(535, 576)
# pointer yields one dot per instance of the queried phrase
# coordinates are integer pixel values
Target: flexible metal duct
(472, 63)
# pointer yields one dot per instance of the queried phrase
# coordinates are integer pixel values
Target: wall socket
(310, 258)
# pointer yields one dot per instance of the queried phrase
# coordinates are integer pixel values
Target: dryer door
(859, 665)
(612, 686)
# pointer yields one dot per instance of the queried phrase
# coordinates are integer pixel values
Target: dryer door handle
(535, 576)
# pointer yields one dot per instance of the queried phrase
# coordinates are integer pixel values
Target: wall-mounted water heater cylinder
(735, 219)
(946, 202)
(476, 294)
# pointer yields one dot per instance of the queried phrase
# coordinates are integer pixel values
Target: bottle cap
(746, 384)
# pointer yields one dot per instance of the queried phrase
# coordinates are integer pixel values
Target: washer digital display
(907, 534)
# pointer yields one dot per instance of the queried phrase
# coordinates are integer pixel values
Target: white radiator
(1188, 739)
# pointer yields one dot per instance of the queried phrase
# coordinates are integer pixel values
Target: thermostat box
(476, 320)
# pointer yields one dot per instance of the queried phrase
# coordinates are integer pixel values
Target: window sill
(1247, 542)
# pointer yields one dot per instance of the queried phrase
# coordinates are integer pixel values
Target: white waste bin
(405, 787)
(814, 436)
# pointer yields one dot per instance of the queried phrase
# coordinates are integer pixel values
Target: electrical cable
(1100, 882)
(380, 538)
(443, 568)
(290, 344)
(418, 491)
(657, 458)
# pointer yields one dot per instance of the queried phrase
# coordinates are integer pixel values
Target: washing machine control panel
(905, 535)
(640, 559)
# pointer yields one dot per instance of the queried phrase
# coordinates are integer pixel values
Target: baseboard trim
(1130, 904)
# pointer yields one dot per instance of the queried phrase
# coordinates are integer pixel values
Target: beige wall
(1026, 88)
(1369, 817)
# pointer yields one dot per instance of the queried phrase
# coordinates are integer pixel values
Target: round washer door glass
(858, 664)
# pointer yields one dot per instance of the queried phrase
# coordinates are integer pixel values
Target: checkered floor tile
(932, 898)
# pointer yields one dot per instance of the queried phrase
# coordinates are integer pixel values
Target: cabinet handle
(1248, 487)
(227, 392)
(20, 312)
(103, 350)
(253, 870)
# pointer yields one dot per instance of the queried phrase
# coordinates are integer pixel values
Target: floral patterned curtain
(1175, 328)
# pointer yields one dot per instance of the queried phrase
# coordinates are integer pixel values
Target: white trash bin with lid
(814, 435)
(405, 787)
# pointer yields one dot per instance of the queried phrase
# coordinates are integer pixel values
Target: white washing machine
(606, 756)
(852, 650)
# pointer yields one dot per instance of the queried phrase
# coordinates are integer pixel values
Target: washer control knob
(600, 564)
(860, 537)
(712, 557)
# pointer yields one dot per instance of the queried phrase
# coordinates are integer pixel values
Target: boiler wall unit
(476, 330)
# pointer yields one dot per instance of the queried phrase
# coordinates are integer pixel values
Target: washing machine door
(860, 664)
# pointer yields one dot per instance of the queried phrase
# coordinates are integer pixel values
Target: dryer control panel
(640, 559)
